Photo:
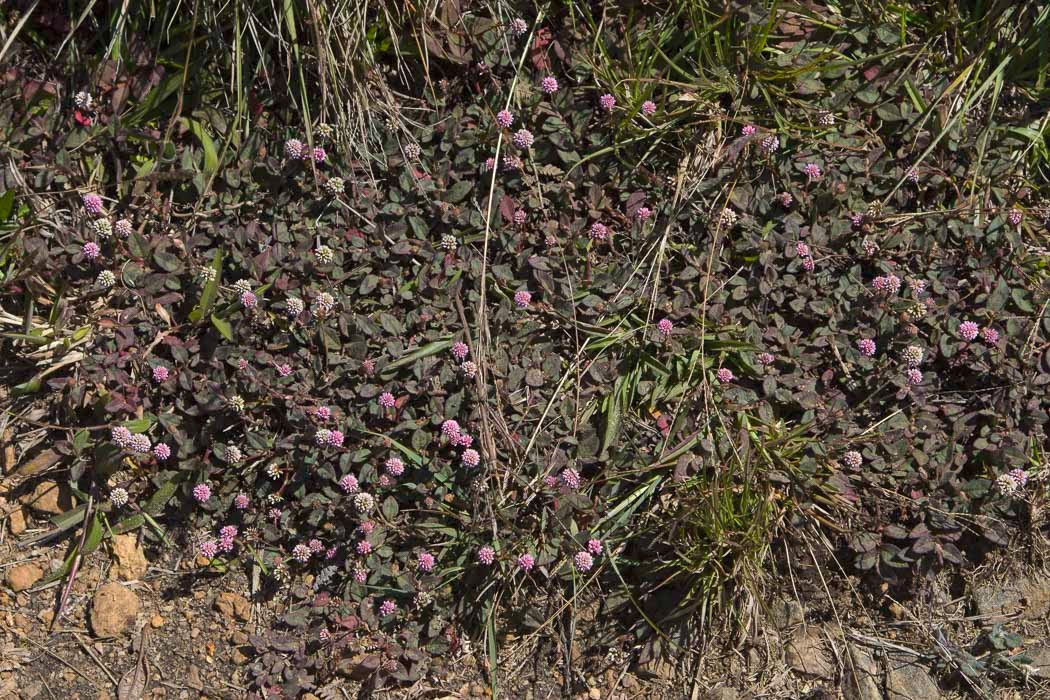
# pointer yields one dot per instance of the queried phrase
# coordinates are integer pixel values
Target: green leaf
(211, 290)
(26, 388)
(91, 543)
(223, 326)
(211, 154)
(167, 261)
(418, 354)
(81, 440)
(459, 191)
(139, 425)
(390, 508)
(7, 203)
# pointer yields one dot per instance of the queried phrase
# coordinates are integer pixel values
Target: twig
(94, 657)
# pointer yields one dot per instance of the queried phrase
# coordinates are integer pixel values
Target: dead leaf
(132, 685)
(39, 463)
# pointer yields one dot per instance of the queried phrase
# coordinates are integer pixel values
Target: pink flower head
(242, 364)
(807, 264)
(571, 478)
(504, 118)
(526, 562)
(160, 373)
(522, 298)
(394, 466)
(241, 501)
(301, 553)
(201, 492)
(607, 102)
(583, 561)
(512, 162)
(785, 199)
(367, 527)
(470, 458)
(139, 443)
(161, 451)
(866, 347)
(518, 27)
(331, 552)
(887, 284)
(1014, 217)
(121, 435)
(283, 370)
(812, 171)
(349, 484)
(523, 138)
(469, 368)
(598, 231)
(520, 217)
(550, 480)
(1019, 477)
(802, 249)
(388, 608)
(316, 546)
(460, 351)
(594, 546)
(293, 149)
(450, 429)
(92, 203)
(228, 532)
(463, 440)
(665, 326)
(319, 155)
(852, 459)
(364, 548)
(386, 400)
(249, 300)
(322, 413)
(209, 549)
(725, 375)
(912, 176)
(643, 213)
(648, 108)
(748, 130)
(914, 376)
(336, 438)
(770, 144)
(425, 562)
(360, 574)
(766, 358)
(91, 250)
(486, 555)
(489, 164)
(549, 85)
(990, 335)
(968, 330)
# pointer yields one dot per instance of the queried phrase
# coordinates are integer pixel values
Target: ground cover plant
(447, 326)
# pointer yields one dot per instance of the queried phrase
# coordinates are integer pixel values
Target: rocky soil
(150, 623)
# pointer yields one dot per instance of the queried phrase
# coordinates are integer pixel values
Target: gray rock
(1024, 598)
(861, 679)
(721, 694)
(805, 654)
(787, 613)
(1040, 657)
(908, 680)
